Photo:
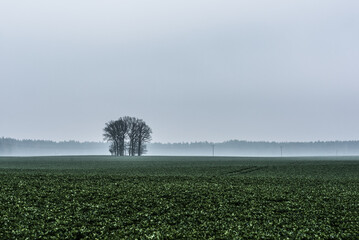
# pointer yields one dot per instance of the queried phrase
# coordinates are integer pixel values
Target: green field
(93, 197)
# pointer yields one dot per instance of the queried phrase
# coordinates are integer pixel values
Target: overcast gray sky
(193, 70)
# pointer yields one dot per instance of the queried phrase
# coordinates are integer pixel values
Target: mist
(13, 147)
(195, 71)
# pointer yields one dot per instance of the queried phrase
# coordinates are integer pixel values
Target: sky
(204, 70)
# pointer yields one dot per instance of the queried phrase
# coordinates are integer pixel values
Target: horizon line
(187, 142)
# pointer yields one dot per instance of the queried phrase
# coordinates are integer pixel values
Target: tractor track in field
(245, 170)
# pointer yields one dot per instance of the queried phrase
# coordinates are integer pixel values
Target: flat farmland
(101, 197)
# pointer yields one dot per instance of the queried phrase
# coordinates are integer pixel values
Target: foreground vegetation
(179, 198)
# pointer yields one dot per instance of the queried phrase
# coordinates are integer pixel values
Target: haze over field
(193, 70)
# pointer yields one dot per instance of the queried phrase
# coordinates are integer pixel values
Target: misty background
(201, 70)
(13, 147)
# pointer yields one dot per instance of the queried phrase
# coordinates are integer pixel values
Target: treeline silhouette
(247, 148)
(13, 147)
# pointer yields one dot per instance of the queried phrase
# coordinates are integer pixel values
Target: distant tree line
(14, 147)
(28, 147)
(263, 148)
(127, 135)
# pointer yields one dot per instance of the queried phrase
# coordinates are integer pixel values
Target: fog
(194, 71)
(13, 147)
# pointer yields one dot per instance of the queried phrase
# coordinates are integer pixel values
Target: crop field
(98, 197)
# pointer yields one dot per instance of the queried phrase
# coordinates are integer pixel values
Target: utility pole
(281, 151)
(212, 149)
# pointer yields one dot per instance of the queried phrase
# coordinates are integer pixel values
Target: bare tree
(132, 133)
(115, 132)
(121, 130)
(110, 135)
(143, 136)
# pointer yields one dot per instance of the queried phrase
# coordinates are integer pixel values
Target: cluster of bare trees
(127, 135)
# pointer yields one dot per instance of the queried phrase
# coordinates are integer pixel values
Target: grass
(96, 197)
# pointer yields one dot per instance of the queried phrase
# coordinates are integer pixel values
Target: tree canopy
(127, 135)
